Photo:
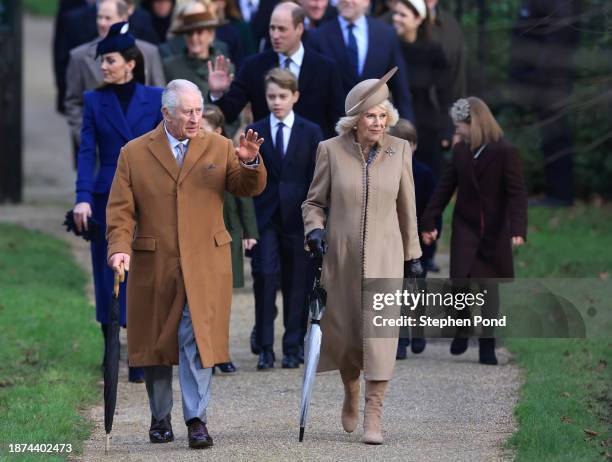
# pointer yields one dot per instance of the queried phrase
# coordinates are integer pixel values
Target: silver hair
(171, 94)
(348, 123)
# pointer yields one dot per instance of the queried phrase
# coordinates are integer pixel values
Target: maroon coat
(491, 208)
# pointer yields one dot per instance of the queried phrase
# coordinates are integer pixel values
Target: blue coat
(321, 95)
(288, 178)
(383, 54)
(105, 130)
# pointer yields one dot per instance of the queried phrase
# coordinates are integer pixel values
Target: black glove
(93, 232)
(316, 242)
(413, 268)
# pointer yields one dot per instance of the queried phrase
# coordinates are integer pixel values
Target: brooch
(390, 151)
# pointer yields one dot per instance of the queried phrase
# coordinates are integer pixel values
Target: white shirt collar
(296, 57)
(360, 23)
(173, 141)
(288, 120)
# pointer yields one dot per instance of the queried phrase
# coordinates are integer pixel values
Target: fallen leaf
(566, 419)
(602, 364)
(604, 275)
(590, 432)
(566, 353)
(566, 394)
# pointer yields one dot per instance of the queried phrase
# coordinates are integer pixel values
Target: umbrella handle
(119, 278)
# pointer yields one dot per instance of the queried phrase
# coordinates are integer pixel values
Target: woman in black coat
(430, 85)
(490, 214)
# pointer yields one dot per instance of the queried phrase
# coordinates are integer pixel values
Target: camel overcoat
(170, 220)
(369, 215)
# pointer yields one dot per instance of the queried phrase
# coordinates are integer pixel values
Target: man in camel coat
(165, 224)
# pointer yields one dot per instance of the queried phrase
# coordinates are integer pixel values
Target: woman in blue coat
(120, 110)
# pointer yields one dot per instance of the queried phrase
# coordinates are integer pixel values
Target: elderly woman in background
(238, 215)
(361, 207)
(490, 215)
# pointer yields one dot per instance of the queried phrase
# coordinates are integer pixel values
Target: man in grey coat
(84, 72)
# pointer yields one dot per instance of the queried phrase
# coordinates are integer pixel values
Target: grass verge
(49, 347)
(565, 408)
(41, 7)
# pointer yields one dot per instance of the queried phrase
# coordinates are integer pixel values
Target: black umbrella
(312, 350)
(111, 359)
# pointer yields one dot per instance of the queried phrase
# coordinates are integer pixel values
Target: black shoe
(198, 435)
(254, 347)
(300, 354)
(401, 352)
(486, 351)
(432, 266)
(418, 345)
(226, 368)
(459, 345)
(266, 359)
(290, 362)
(161, 430)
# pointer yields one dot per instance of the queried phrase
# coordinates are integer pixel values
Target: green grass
(566, 393)
(50, 348)
(41, 7)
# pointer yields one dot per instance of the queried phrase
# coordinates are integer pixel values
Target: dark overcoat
(491, 208)
(240, 221)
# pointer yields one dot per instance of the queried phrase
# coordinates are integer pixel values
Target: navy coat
(288, 178)
(321, 95)
(383, 54)
(105, 130)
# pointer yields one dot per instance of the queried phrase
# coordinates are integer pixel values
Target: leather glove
(413, 268)
(316, 242)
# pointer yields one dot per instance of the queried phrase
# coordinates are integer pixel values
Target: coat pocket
(144, 243)
(222, 237)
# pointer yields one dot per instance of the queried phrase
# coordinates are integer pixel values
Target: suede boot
(350, 407)
(374, 397)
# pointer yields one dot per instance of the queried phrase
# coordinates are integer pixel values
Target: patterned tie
(181, 149)
(279, 144)
(353, 50)
(287, 63)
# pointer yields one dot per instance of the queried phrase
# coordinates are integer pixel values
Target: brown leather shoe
(198, 435)
(161, 430)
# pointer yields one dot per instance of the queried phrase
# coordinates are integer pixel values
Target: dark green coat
(240, 221)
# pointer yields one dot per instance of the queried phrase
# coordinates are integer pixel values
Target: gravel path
(438, 407)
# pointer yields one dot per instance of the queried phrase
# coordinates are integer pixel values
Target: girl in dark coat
(490, 214)
(121, 110)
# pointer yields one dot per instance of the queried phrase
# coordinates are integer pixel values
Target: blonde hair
(483, 126)
(348, 123)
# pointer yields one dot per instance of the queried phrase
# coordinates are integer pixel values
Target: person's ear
(295, 96)
(131, 64)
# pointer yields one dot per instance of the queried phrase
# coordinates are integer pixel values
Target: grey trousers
(195, 380)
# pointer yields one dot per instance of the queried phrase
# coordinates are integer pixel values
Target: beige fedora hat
(368, 93)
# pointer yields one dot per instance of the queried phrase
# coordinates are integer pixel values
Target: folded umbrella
(111, 360)
(312, 350)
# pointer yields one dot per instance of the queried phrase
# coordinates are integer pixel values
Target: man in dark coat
(318, 76)
(78, 26)
(257, 13)
(289, 150)
(545, 37)
(364, 48)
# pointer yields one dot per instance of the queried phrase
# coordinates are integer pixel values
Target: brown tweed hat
(368, 93)
(195, 21)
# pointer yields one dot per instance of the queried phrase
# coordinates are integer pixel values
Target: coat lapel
(113, 113)
(138, 108)
(337, 42)
(197, 148)
(484, 160)
(296, 135)
(161, 150)
(307, 70)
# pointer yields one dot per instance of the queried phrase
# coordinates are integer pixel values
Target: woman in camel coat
(361, 205)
